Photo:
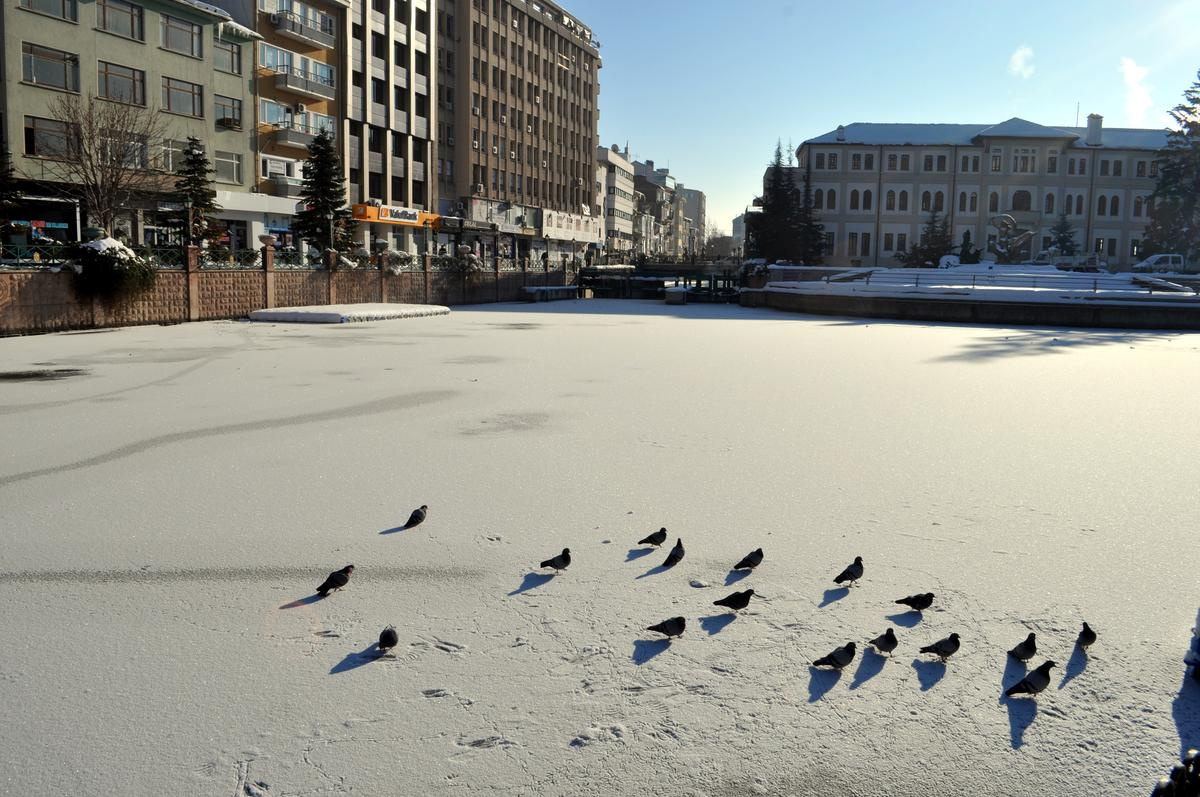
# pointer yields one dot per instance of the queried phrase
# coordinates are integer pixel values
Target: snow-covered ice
(167, 512)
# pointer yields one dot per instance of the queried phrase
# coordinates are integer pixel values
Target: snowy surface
(168, 512)
(948, 286)
(347, 313)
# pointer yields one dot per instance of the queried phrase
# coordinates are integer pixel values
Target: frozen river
(168, 508)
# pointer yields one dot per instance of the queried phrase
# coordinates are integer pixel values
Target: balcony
(294, 135)
(307, 83)
(282, 185)
(304, 30)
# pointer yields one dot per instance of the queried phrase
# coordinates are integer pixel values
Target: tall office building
(614, 177)
(518, 163)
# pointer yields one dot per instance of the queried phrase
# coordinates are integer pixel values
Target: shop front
(405, 229)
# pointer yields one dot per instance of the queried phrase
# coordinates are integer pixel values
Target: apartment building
(615, 189)
(695, 208)
(518, 162)
(874, 185)
(185, 60)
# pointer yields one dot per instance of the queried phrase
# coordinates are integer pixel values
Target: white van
(1160, 264)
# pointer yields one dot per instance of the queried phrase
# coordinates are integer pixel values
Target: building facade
(187, 62)
(614, 175)
(695, 209)
(875, 185)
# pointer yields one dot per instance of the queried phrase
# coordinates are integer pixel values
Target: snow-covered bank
(165, 511)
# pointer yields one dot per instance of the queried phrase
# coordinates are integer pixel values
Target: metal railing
(34, 256)
(311, 77)
(1084, 283)
(222, 258)
(294, 260)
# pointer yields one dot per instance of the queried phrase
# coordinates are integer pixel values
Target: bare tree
(107, 154)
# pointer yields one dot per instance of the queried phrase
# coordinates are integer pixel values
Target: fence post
(268, 260)
(496, 274)
(331, 263)
(427, 264)
(192, 266)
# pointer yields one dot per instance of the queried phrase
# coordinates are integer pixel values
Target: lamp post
(187, 229)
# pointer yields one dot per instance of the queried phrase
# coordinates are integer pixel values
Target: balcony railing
(296, 135)
(293, 26)
(283, 185)
(309, 84)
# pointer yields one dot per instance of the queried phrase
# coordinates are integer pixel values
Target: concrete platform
(347, 313)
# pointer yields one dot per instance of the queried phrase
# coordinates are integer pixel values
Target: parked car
(1160, 264)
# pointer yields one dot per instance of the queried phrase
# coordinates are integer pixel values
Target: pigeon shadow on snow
(717, 622)
(355, 660)
(395, 529)
(1014, 671)
(833, 595)
(735, 576)
(654, 571)
(929, 673)
(532, 580)
(870, 665)
(1021, 714)
(1185, 710)
(907, 619)
(638, 553)
(646, 649)
(1075, 666)
(296, 604)
(820, 682)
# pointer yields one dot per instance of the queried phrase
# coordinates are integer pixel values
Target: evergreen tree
(809, 231)
(193, 190)
(775, 228)
(968, 253)
(324, 195)
(1175, 212)
(1062, 235)
(935, 242)
(10, 195)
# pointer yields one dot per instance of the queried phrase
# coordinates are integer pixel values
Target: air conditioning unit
(301, 107)
(503, 120)
(450, 141)
(474, 111)
(274, 18)
(495, 150)
(516, 25)
(474, 145)
(572, 59)
(578, 181)
(538, 99)
(479, 188)
(543, 164)
(512, 155)
(528, 128)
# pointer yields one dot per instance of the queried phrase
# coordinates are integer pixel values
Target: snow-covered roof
(224, 19)
(900, 134)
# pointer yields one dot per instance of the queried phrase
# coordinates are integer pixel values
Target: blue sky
(707, 87)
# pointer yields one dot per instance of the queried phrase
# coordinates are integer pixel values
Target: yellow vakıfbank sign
(386, 214)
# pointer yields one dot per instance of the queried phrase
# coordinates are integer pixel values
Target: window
(854, 199)
(63, 9)
(904, 163)
(227, 57)
(833, 160)
(974, 202)
(852, 244)
(939, 202)
(1049, 203)
(856, 162)
(866, 200)
(1079, 205)
(869, 161)
(818, 197)
(1112, 247)
(1114, 206)
(179, 96)
(995, 163)
(1138, 207)
(866, 244)
(228, 166)
(831, 199)
(1135, 247)
(828, 243)
(903, 201)
(43, 66)
(1102, 206)
(926, 202)
(228, 112)
(962, 201)
(172, 154)
(1022, 201)
(1052, 164)
(46, 138)
(889, 200)
(928, 165)
(181, 36)
(966, 164)
(901, 241)
(121, 83)
(1140, 169)
(820, 160)
(1104, 168)
(891, 162)
(273, 113)
(994, 203)
(1118, 168)
(133, 151)
(1154, 168)
(1071, 166)
(1083, 165)
(888, 241)
(1067, 204)
(975, 163)
(941, 163)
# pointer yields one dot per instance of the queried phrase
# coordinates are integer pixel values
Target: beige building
(614, 177)
(875, 185)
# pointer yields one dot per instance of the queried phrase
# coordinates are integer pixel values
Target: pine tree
(1175, 212)
(810, 232)
(1062, 234)
(935, 242)
(770, 226)
(193, 190)
(324, 195)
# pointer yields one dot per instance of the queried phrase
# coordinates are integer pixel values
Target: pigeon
(918, 603)
(655, 539)
(672, 627)
(1025, 650)
(1086, 637)
(852, 573)
(417, 517)
(1033, 683)
(943, 648)
(388, 639)
(676, 554)
(559, 562)
(337, 579)
(735, 600)
(838, 659)
(750, 560)
(885, 642)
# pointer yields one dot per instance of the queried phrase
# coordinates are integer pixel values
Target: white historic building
(875, 185)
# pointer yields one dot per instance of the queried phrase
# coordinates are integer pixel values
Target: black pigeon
(559, 562)
(750, 560)
(838, 659)
(388, 638)
(852, 573)
(655, 539)
(885, 642)
(1033, 683)
(417, 517)
(337, 579)
(735, 600)
(919, 602)
(1025, 650)
(671, 627)
(676, 554)
(1087, 637)
(943, 648)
